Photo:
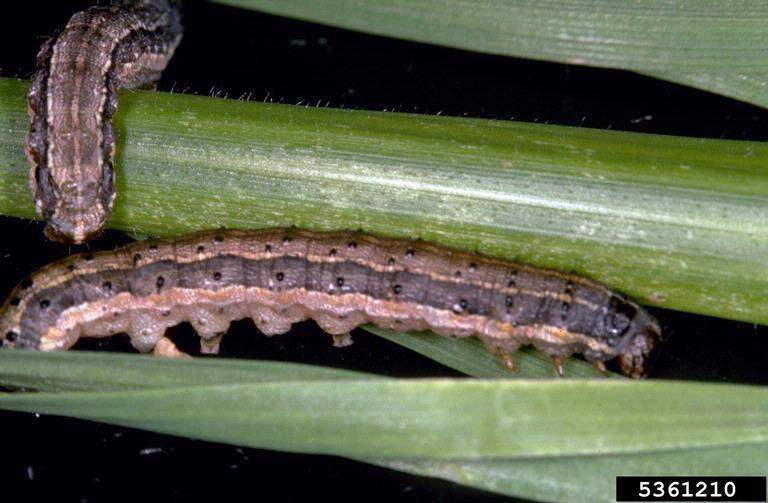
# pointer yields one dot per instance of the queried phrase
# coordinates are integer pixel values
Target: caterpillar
(72, 97)
(278, 277)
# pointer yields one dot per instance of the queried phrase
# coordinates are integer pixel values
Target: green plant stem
(675, 222)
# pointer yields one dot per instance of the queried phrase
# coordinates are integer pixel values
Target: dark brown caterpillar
(340, 279)
(72, 97)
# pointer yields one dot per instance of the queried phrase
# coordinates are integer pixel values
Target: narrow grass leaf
(586, 479)
(94, 371)
(444, 418)
(471, 357)
(721, 47)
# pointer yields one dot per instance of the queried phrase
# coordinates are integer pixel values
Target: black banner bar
(691, 489)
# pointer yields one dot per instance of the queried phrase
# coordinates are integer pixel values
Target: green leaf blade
(471, 357)
(720, 47)
(586, 479)
(94, 371)
(533, 439)
(441, 419)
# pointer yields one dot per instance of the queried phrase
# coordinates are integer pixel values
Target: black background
(236, 53)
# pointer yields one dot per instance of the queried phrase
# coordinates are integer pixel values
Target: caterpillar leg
(507, 361)
(557, 362)
(166, 347)
(210, 345)
(342, 340)
(600, 366)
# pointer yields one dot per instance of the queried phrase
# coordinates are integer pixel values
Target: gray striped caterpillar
(72, 97)
(340, 279)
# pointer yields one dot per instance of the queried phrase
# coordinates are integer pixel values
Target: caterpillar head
(634, 359)
(632, 332)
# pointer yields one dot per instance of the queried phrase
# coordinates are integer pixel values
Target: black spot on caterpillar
(72, 97)
(278, 277)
